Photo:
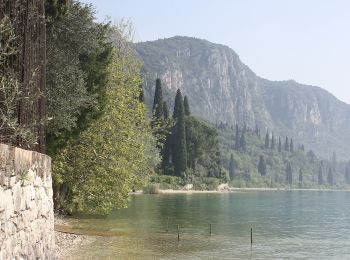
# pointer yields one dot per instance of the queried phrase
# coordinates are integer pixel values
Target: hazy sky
(304, 40)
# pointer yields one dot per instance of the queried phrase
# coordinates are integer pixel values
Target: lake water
(286, 225)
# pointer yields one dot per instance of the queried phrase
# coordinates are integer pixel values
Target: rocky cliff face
(223, 89)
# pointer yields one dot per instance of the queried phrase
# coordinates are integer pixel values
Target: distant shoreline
(233, 190)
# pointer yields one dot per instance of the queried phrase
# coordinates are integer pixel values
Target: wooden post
(178, 232)
(251, 236)
(210, 229)
(167, 225)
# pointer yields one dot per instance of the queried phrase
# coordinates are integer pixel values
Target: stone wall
(26, 206)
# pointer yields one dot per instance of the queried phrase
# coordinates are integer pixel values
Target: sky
(304, 40)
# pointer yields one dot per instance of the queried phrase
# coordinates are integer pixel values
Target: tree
(232, 167)
(279, 145)
(347, 173)
(157, 108)
(286, 145)
(320, 175)
(334, 161)
(273, 142)
(237, 144)
(301, 177)
(180, 153)
(186, 106)
(257, 131)
(242, 142)
(116, 151)
(267, 140)
(262, 166)
(289, 174)
(178, 103)
(291, 147)
(330, 177)
(165, 110)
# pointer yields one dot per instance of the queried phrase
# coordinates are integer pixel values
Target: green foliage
(262, 166)
(289, 174)
(117, 150)
(232, 167)
(178, 103)
(179, 137)
(157, 109)
(151, 188)
(186, 106)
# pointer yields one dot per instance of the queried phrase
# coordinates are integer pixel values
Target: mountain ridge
(221, 88)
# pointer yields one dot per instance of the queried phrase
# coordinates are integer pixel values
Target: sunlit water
(286, 225)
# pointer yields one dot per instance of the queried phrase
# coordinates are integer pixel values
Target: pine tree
(237, 144)
(262, 166)
(165, 110)
(320, 176)
(186, 106)
(267, 140)
(330, 177)
(180, 153)
(273, 142)
(232, 168)
(286, 145)
(279, 145)
(291, 147)
(158, 101)
(178, 102)
(301, 177)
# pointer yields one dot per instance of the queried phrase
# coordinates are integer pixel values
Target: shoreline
(233, 190)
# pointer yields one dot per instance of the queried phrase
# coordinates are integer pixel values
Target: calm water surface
(286, 225)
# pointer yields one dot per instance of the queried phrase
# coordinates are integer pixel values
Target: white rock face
(26, 205)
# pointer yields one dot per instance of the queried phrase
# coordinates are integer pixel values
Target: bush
(152, 188)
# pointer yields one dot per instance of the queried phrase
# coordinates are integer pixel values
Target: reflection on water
(286, 225)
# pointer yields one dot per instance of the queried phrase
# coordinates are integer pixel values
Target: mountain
(221, 88)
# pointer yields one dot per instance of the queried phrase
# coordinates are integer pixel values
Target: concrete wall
(26, 206)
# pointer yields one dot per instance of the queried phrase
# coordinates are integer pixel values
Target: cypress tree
(279, 145)
(267, 140)
(289, 174)
(320, 176)
(178, 103)
(301, 177)
(262, 166)
(237, 144)
(242, 142)
(330, 177)
(347, 173)
(180, 154)
(157, 108)
(334, 161)
(291, 147)
(286, 145)
(273, 142)
(232, 168)
(165, 110)
(186, 106)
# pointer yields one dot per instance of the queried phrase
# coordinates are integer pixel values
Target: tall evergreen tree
(273, 142)
(347, 173)
(262, 166)
(178, 104)
(237, 144)
(330, 177)
(165, 110)
(180, 153)
(334, 161)
(242, 142)
(289, 174)
(286, 145)
(157, 108)
(291, 147)
(320, 175)
(267, 140)
(186, 106)
(279, 145)
(257, 131)
(232, 167)
(301, 178)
